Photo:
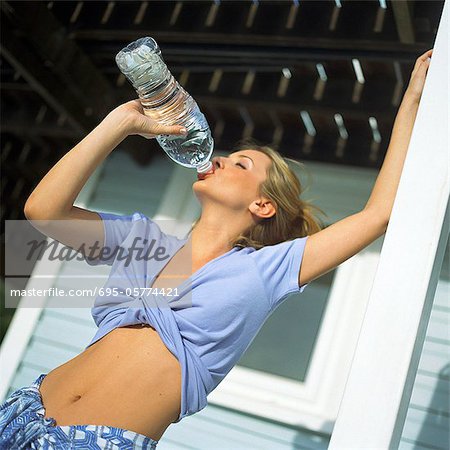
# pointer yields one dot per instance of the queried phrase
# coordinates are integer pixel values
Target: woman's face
(236, 179)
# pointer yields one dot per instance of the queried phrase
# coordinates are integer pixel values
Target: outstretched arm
(333, 245)
(386, 185)
(338, 242)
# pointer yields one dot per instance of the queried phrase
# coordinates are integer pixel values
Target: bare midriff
(127, 379)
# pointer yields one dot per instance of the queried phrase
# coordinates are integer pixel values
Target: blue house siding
(427, 424)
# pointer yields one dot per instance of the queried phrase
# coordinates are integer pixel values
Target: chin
(206, 193)
(197, 183)
(197, 190)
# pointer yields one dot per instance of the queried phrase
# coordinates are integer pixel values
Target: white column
(378, 389)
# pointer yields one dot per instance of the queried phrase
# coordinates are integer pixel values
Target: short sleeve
(116, 228)
(279, 267)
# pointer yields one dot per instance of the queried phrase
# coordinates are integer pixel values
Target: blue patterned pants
(23, 426)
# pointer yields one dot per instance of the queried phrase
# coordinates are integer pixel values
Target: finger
(149, 126)
(175, 129)
(421, 73)
(424, 56)
(420, 60)
(423, 66)
(138, 104)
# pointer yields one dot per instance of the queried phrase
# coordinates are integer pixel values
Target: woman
(156, 356)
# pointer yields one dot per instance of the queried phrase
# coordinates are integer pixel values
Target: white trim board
(392, 336)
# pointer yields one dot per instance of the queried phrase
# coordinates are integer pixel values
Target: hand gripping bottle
(166, 102)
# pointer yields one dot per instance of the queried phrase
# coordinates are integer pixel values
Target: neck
(213, 235)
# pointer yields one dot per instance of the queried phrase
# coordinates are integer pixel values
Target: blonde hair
(294, 217)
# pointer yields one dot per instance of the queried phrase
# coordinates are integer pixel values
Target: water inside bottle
(166, 102)
(173, 105)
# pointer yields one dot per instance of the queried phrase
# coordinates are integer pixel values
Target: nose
(217, 162)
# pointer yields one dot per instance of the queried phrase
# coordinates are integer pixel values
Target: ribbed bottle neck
(205, 167)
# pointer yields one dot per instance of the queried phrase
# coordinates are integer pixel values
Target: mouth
(202, 176)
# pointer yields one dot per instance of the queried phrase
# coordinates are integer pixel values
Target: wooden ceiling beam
(403, 21)
(211, 45)
(353, 113)
(36, 45)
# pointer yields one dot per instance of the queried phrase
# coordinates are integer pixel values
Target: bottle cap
(204, 170)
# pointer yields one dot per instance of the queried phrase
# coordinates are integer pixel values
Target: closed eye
(242, 165)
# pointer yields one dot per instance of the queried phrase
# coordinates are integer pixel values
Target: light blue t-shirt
(218, 310)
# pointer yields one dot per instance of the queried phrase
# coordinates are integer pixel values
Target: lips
(202, 176)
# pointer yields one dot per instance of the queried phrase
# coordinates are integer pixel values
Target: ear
(263, 208)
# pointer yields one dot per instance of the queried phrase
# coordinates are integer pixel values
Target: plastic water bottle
(166, 102)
